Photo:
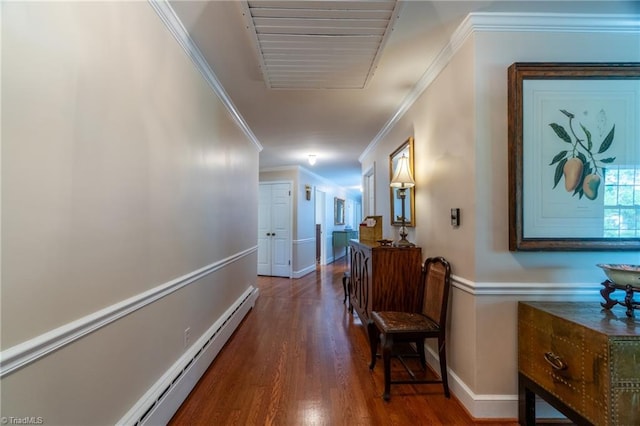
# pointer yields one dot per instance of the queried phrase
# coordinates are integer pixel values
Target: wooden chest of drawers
(582, 359)
(384, 278)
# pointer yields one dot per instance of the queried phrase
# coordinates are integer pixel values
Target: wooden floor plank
(300, 358)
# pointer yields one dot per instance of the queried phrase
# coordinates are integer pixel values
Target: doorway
(274, 229)
(369, 191)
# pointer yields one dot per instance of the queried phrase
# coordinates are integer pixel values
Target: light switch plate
(455, 217)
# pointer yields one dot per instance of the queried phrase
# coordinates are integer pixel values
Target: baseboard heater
(164, 398)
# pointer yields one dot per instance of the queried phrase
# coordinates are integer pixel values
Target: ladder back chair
(400, 327)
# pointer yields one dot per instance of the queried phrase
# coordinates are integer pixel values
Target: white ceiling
(336, 124)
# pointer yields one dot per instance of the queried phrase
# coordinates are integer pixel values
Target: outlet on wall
(187, 337)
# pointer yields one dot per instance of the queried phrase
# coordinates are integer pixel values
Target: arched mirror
(405, 149)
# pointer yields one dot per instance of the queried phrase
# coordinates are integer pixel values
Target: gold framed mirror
(338, 211)
(405, 149)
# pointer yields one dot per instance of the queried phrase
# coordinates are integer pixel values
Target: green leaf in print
(582, 163)
(567, 113)
(588, 133)
(558, 174)
(606, 143)
(561, 132)
(560, 156)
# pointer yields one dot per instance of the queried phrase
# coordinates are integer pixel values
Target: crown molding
(496, 22)
(552, 22)
(180, 33)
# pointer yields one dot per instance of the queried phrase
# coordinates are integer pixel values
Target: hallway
(300, 358)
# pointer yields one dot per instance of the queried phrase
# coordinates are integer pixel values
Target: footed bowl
(622, 274)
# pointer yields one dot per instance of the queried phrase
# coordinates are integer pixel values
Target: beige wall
(121, 171)
(460, 128)
(494, 263)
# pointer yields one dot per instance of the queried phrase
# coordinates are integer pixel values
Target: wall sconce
(403, 181)
(312, 159)
(307, 191)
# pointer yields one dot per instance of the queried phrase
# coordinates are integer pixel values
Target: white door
(274, 230)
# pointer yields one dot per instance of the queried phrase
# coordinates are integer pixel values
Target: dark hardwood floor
(300, 358)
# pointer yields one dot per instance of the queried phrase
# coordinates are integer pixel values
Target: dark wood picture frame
(517, 74)
(338, 211)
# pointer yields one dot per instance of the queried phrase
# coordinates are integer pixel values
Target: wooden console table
(581, 359)
(384, 278)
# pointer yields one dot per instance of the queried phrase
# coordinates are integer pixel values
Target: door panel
(264, 228)
(281, 221)
(274, 230)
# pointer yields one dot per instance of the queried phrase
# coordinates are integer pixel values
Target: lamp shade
(402, 177)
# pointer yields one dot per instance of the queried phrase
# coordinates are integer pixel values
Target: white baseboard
(478, 406)
(301, 273)
(487, 406)
(164, 398)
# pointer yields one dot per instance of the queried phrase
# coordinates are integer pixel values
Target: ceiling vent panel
(319, 44)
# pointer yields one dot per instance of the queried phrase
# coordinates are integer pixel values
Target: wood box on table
(371, 233)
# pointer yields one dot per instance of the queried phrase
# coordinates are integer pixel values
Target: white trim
(31, 350)
(524, 289)
(307, 269)
(486, 406)
(478, 21)
(479, 406)
(395, 14)
(301, 273)
(304, 240)
(180, 33)
(553, 22)
(164, 397)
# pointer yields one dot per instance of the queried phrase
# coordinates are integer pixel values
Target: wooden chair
(395, 327)
(346, 285)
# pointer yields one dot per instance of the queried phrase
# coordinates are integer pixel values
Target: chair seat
(390, 322)
(394, 328)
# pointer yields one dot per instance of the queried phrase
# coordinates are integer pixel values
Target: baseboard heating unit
(164, 398)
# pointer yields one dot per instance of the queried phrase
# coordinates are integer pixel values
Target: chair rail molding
(525, 288)
(31, 350)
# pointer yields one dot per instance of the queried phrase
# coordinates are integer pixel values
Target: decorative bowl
(385, 242)
(622, 274)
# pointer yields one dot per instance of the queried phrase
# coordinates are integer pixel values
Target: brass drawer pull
(556, 362)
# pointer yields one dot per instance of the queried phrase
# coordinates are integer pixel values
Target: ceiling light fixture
(312, 159)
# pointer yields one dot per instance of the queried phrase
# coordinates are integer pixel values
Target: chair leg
(344, 287)
(442, 353)
(374, 337)
(387, 345)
